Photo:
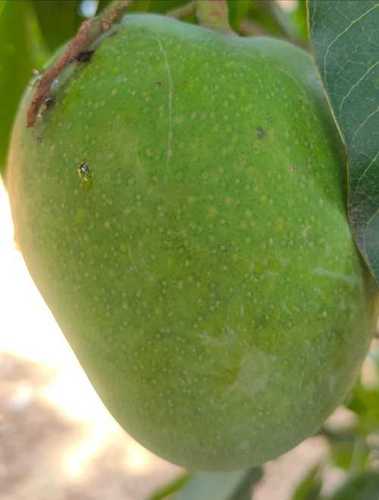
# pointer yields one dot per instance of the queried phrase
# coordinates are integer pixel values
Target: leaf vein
(364, 123)
(366, 170)
(355, 21)
(366, 73)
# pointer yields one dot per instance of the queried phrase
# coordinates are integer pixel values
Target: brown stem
(88, 32)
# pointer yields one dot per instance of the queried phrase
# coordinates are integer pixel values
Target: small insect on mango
(49, 101)
(85, 175)
(84, 171)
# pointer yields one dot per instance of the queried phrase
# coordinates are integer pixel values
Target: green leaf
(285, 21)
(365, 403)
(348, 445)
(166, 5)
(59, 20)
(310, 487)
(238, 11)
(344, 34)
(299, 17)
(364, 486)
(21, 51)
(262, 20)
(246, 487)
(159, 6)
(353, 455)
(220, 485)
(167, 491)
(265, 17)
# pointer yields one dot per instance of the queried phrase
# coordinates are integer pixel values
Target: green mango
(181, 208)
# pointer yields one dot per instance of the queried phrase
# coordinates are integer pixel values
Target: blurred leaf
(293, 22)
(249, 17)
(300, 19)
(238, 10)
(260, 15)
(159, 6)
(310, 487)
(365, 403)
(143, 5)
(137, 5)
(59, 20)
(361, 487)
(166, 5)
(167, 491)
(220, 485)
(351, 455)
(21, 51)
(284, 19)
(373, 358)
(346, 44)
(265, 17)
(246, 487)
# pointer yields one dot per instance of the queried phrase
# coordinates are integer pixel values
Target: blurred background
(57, 441)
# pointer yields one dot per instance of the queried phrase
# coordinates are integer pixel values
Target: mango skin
(203, 271)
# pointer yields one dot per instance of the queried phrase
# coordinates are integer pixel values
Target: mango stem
(87, 34)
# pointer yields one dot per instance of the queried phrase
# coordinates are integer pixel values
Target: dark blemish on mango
(85, 175)
(49, 101)
(85, 56)
(83, 169)
(261, 133)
